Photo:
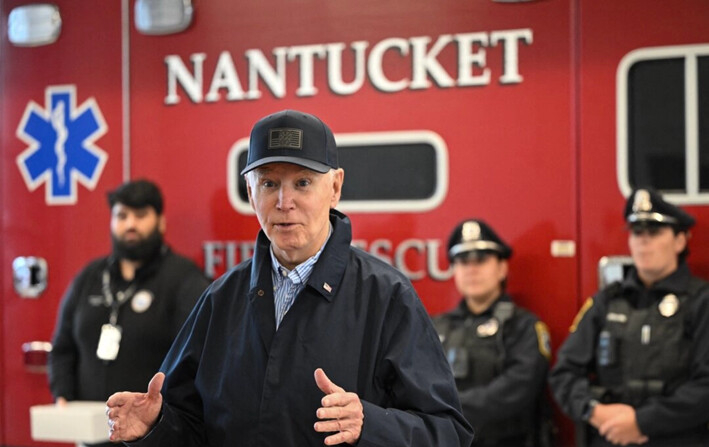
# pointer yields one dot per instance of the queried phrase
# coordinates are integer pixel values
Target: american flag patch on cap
(285, 138)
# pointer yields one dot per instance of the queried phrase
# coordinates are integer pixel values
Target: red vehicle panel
(513, 106)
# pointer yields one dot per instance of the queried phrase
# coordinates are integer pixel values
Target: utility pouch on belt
(638, 391)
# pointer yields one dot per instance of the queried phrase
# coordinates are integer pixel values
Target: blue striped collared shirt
(288, 283)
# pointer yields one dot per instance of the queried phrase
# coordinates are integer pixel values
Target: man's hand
(341, 412)
(132, 415)
(617, 423)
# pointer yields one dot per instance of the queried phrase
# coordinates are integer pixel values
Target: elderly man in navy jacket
(310, 342)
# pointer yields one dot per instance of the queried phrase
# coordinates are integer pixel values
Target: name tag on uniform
(109, 342)
(617, 318)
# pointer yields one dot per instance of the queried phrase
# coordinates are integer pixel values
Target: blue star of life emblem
(61, 148)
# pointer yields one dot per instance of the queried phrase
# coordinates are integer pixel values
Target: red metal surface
(535, 158)
(87, 54)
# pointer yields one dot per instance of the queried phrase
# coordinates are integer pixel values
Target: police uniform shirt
(663, 417)
(509, 399)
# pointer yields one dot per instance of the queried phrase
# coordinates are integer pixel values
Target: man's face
(479, 278)
(136, 232)
(655, 250)
(293, 205)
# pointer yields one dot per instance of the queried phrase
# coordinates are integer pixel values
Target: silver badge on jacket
(669, 305)
(141, 301)
(488, 328)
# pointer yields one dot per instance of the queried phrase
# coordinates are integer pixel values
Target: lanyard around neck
(121, 297)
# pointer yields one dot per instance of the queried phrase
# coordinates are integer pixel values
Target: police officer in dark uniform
(498, 351)
(635, 368)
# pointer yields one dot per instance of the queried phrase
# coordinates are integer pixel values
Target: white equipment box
(78, 421)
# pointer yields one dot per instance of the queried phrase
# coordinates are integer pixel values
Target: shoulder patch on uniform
(586, 305)
(543, 339)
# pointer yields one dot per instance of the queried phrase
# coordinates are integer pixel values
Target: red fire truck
(538, 116)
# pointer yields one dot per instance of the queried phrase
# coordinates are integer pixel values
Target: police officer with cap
(498, 352)
(635, 368)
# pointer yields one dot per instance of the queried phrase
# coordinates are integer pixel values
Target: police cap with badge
(646, 208)
(474, 237)
(291, 136)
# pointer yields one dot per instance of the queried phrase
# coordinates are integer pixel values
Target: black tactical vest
(642, 353)
(476, 354)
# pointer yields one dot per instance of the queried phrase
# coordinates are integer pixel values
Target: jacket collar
(462, 310)
(676, 282)
(328, 271)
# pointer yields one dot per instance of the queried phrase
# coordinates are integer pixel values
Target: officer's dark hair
(137, 194)
(682, 256)
(503, 283)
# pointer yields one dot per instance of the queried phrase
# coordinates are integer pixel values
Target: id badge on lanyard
(109, 341)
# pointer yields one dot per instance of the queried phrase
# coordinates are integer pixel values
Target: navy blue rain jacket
(233, 380)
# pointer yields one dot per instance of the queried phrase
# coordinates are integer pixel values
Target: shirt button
(260, 292)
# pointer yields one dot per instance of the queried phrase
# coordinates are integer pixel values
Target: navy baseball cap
(290, 136)
(474, 235)
(645, 207)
